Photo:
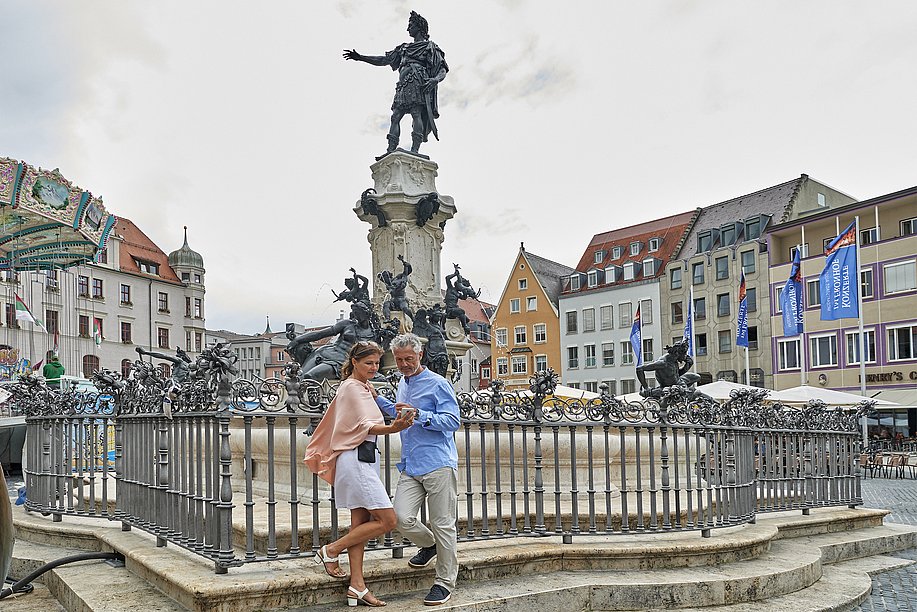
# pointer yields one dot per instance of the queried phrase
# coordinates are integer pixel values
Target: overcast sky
(558, 121)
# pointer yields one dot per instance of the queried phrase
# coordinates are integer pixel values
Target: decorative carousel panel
(10, 172)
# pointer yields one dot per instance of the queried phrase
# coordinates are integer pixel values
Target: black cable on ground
(21, 585)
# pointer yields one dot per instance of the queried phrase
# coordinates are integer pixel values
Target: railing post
(539, 477)
(162, 481)
(225, 555)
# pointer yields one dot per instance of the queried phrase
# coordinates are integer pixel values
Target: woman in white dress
(352, 419)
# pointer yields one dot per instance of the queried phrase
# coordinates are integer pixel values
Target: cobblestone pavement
(896, 590)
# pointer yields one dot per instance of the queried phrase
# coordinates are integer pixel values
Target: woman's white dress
(357, 484)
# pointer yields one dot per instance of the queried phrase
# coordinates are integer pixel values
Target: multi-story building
(619, 271)
(472, 363)
(727, 239)
(259, 355)
(525, 323)
(136, 296)
(827, 354)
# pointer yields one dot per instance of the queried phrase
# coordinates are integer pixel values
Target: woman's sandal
(321, 556)
(355, 597)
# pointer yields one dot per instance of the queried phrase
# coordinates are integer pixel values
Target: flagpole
(862, 341)
(802, 342)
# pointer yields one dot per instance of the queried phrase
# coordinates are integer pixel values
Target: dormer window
(650, 267)
(635, 248)
(630, 270)
(592, 278)
(728, 235)
(612, 274)
(704, 241)
(598, 256)
(574, 282)
(147, 267)
(654, 244)
(617, 252)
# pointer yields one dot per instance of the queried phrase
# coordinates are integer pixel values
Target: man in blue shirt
(428, 466)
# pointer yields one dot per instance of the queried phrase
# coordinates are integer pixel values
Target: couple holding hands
(342, 452)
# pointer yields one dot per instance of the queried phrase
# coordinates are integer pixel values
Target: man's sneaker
(423, 558)
(437, 595)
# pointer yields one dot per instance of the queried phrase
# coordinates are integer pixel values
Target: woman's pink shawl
(346, 424)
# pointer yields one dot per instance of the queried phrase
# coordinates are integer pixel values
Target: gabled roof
(670, 230)
(137, 245)
(776, 201)
(549, 274)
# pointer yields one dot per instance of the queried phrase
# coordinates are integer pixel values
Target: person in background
(52, 372)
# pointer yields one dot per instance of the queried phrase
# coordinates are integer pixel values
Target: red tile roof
(137, 245)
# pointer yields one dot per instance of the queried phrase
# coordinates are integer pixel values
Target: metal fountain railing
(160, 457)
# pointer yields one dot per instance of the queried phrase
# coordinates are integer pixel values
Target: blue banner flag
(689, 328)
(839, 281)
(791, 300)
(742, 331)
(636, 338)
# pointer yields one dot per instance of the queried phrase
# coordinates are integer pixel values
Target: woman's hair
(358, 351)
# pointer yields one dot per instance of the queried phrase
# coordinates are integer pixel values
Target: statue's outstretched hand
(351, 54)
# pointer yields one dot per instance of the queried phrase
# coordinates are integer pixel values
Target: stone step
(86, 586)
(39, 600)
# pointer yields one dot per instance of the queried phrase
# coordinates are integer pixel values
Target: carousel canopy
(47, 222)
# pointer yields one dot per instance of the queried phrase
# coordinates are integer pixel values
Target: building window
(126, 365)
(571, 322)
(98, 326)
(485, 373)
(628, 385)
(635, 248)
(646, 312)
(908, 227)
(187, 306)
(611, 274)
(630, 270)
(162, 335)
(625, 314)
(519, 334)
(97, 288)
(589, 355)
(853, 346)
(866, 290)
(822, 201)
(900, 277)
(813, 293)
(700, 344)
(198, 308)
(188, 342)
(823, 350)
(541, 363)
(540, 331)
(125, 294)
(167, 370)
(574, 282)
(748, 262)
(591, 385)
(611, 386)
(617, 252)
(802, 253)
(126, 336)
(592, 278)
(502, 366)
(520, 364)
(82, 286)
(869, 236)
(627, 353)
(722, 268)
(728, 234)
(186, 277)
(531, 303)
(598, 256)
(700, 309)
(752, 337)
(675, 278)
(678, 315)
(654, 244)
(608, 353)
(52, 323)
(788, 354)
(500, 336)
(727, 375)
(697, 273)
(724, 340)
(90, 365)
(198, 279)
(103, 256)
(588, 319)
(514, 305)
(606, 318)
(902, 343)
(751, 298)
(647, 354)
(163, 302)
(572, 357)
(752, 228)
(523, 284)
(722, 305)
(704, 241)
(84, 326)
(649, 267)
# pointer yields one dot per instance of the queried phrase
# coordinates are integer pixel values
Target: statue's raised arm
(421, 66)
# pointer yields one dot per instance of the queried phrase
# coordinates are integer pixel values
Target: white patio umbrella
(805, 393)
(568, 392)
(721, 389)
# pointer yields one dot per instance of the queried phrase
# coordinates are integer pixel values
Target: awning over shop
(906, 398)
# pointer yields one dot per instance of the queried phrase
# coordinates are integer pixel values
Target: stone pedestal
(401, 180)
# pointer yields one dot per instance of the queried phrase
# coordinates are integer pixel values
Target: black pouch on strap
(366, 452)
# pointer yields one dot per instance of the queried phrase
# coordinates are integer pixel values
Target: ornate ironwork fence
(214, 465)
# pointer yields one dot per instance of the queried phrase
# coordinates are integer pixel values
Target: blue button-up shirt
(428, 444)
